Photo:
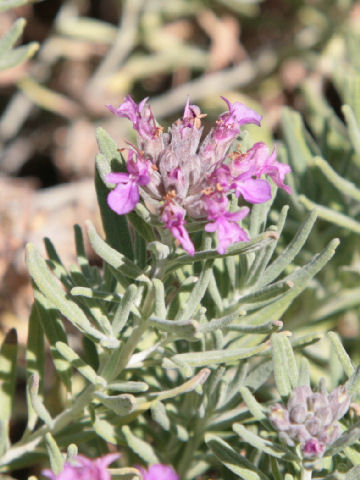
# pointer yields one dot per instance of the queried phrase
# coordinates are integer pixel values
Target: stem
(61, 421)
(305, 474)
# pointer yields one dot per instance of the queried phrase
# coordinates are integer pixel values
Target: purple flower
(224, 222)
(229, 123)
(180, 176)
(311, 418)
(125, 196)
(83, 468)
(140, 115)
(158, 472)
(173, 217)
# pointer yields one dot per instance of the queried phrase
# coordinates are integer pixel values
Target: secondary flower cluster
(83, 468)
(311, 418)
(178, 175)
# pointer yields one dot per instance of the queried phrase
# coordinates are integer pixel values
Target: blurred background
(268, 54)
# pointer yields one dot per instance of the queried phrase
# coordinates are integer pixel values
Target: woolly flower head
(83, 468)
(311, 418)
(181, 176)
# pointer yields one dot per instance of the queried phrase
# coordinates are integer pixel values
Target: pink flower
(313, 448)
(125, 196)
(173, 217)
(229, 123)
(179, 175)
(225, 223)
(158, 472)
(140, 115)
(83, 468)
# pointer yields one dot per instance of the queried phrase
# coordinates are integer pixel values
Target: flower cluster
(158, 472)
(311, 418)
(83, 468)
(178, 175)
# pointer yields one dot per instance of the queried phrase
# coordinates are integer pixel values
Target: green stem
(305, 474)
(61, 421)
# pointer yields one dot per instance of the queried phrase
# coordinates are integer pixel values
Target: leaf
(123, 310)
(263, 445)
(115, 226)
(341, 354)
(235, 249)
(158, 413)
(113, 257)
(353, 473)
(233, 460)
(120, 404)
(344, 186)
(194, 299)
(284, 363)
(254, 406)
(7, 4)
(35, 359)
(213, 357)
(331, 215)
(37, 403)
(57, 296)
(186, 387)
(129, 387)
(73, 358)
(180, 329)
(295, 136)
(353, 129)
(8, 364)
(290, 252)
(56, 459)
(53, 327)
(12, 57)
(300, 279)
(141, 448)
(259, 375)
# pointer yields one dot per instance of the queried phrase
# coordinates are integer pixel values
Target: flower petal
(254, 190)
(124, 197)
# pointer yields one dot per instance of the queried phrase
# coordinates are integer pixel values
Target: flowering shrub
(175, 346)
(178, 175)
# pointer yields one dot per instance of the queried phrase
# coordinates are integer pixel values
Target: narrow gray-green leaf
(55, 457)
(262, 444)
(8, 365)
(52, 290)
(295, 135)
(194, 299)
(343, 357)
(300, 279)
(331, 215)
(120, 404)
(353, 129)
(214, 357)
(141, 448)
(232, 460)
(36, 401)
(73, 358)
(344, 186)
(290, 252)
(123, 310)
(284, 363)
(254, 406)
(113, 257)
(235, 249)
(35, 360)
